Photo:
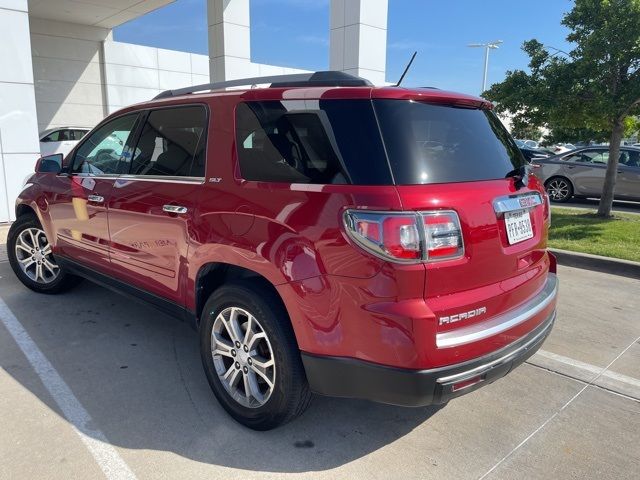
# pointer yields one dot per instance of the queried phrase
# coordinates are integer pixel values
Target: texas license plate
(518, 224)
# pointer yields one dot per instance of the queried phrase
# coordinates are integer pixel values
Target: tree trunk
(606, 199)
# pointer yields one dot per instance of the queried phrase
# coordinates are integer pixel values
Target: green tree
(594, 88)
(525, 130)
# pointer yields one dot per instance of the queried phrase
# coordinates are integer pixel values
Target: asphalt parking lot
(130, 380)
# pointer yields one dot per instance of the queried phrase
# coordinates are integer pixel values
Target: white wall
(134, 73)
(18, 124)
(67, 66)
(358, 38)
(230, 43)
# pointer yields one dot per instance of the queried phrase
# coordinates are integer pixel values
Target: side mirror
(50, 164)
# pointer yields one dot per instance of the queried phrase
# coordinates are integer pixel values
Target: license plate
(518, 224)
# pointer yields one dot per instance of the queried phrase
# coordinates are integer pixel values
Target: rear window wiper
(520, 176)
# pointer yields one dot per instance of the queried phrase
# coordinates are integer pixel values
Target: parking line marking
(105, 455)
(546, 422)
(589, 368)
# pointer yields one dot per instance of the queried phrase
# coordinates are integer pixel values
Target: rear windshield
(429, 143)
(342, 142)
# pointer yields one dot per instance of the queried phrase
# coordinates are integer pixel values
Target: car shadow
(138, 374)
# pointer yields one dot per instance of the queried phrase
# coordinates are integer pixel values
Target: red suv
(323, 235)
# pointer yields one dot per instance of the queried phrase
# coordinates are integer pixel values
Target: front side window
(78, 134)
(172, 143)
(101, 153)
(310, 141)
(630, 158)
(65, 135)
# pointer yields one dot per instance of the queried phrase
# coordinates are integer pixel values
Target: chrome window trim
(503, 322)
(145, 178)
(161, 178)
(509, 203)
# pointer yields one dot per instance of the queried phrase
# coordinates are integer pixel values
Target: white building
(59, 65)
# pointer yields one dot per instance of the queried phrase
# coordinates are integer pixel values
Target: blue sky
(295, 33)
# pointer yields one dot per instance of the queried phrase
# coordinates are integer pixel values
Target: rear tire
(254, 367)
(559, 189)
(31, 258)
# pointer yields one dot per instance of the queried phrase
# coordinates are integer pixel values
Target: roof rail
(311, 79)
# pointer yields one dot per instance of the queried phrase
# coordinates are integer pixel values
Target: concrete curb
(615, 266)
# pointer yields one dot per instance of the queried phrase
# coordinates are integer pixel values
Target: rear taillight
(407, 237)
(443, 235)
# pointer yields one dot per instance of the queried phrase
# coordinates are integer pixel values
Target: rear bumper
(346, 377)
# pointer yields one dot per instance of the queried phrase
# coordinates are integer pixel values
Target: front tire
(250, 356)
(32, 260)
(559, 189)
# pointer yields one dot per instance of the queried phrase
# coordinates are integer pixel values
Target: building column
(229, 39)
(19, 145)
(358, 41)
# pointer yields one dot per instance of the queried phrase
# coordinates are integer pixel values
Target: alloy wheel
(243, 357)
(558, 189)
(35, 257)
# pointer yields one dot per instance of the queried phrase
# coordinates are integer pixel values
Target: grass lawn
(581, 231)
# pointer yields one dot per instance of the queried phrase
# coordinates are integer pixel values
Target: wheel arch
(213, 275)
(23, 209)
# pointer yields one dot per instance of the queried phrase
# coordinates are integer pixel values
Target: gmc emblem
(526, 202)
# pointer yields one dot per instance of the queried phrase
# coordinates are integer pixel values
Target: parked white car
(60, 140)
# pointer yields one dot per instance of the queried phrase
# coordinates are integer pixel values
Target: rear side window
(172, 143)
(429, 143)
(310, 141)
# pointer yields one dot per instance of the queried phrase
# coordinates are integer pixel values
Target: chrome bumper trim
(500, 323)
(512, 355)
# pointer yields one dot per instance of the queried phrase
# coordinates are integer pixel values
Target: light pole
(487, 46)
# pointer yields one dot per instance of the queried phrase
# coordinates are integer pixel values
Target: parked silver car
(581, 172)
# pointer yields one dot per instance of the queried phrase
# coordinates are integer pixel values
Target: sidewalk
(4, 231)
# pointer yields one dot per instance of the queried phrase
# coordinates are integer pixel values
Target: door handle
(95, 198)
(174, 209)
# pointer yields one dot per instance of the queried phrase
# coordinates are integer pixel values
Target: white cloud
(306, 4)
(406, 44)
(313, 39)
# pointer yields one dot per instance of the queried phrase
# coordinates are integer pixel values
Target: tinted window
(310, 141)
(429, 143)
(65, 135)
(78, 134)
(172, 143)
(101, 152)
(52, 137)
(630, 158)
